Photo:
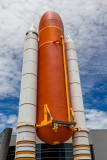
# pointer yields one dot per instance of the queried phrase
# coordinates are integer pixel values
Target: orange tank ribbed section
(51, 81)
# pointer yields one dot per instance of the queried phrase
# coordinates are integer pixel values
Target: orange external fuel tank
(51, 79)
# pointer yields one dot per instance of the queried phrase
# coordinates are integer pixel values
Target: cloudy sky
(86, 22)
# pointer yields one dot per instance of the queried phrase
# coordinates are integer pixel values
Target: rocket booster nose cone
(69, 39)
(32, 28)
(70, 43)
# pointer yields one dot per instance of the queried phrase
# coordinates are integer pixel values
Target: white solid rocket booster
(81, 149)
(26, 132)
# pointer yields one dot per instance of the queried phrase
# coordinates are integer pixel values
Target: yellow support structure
(66, 80)
(46, 122)
(55, 123)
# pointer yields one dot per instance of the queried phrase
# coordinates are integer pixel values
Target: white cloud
(8, 121)
(96, 119)
(12, 119)
(2, 125)
(3, 118)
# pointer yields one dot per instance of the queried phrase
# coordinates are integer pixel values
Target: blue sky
(86, 22)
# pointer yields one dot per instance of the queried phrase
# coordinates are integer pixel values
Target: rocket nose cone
(50, 18)
(32, 28)
(51, 15)
(69, 39)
